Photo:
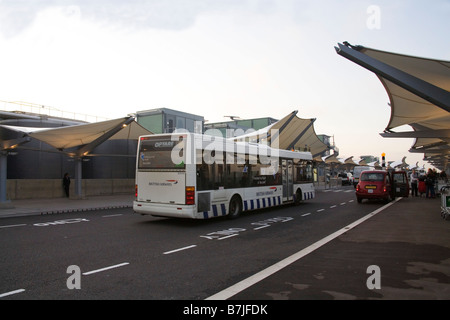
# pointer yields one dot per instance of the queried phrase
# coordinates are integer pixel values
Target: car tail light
(384, 189)
(190, 195)
(357, 187)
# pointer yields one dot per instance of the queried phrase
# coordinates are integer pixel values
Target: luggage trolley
(445, 202)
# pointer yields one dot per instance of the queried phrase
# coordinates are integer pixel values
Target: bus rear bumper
(165, 210)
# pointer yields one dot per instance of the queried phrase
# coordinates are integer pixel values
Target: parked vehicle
(346, 178)
(357, 172)
(382, 185)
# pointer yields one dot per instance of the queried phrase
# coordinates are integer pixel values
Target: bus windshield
(161, 153)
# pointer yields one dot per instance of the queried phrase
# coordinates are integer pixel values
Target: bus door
(287, 167)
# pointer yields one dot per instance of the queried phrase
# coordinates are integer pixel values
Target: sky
(216, 58)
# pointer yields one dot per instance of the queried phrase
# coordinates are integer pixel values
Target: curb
(84, 209)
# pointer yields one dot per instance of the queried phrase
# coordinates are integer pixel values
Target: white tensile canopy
(419, 94)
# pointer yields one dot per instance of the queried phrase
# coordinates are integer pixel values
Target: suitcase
(422, 188)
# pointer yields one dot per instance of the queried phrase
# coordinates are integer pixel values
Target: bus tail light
(135, 191)
(190, 195)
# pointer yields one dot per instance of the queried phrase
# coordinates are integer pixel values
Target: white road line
(13, 225)
(342, 203)
(333, 206)
(104, 269)
(320, 210)
(112, 215)
(11, 292)
(246, 283)
(180, 249)
(306, 214)
(262, 227)
(351, 200)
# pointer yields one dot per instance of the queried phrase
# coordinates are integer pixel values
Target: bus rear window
(161, 153)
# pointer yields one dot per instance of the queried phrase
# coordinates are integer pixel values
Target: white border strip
(246, 283)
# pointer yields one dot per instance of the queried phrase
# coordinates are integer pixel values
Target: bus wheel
(235, 207)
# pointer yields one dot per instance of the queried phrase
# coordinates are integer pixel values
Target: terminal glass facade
(165, 120)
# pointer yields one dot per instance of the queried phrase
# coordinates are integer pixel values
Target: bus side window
(245, 175)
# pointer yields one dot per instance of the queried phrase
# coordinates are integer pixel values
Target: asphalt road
(116, 254)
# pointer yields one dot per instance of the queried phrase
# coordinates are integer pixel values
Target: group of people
(425, 184)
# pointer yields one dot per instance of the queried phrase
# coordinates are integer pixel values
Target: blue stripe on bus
(224, 211)
(251, 204)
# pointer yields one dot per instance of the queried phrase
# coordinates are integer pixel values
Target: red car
(382, 185)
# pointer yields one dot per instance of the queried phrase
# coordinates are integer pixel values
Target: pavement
(399, 253)
(16, 208)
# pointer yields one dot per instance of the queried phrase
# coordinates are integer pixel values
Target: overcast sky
(214, 58)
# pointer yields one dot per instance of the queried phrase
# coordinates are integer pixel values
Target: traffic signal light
(383, 160)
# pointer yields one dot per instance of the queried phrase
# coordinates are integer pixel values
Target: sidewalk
(17, 208)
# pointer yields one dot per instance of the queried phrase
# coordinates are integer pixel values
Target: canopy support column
(3, 173)
(78, 177)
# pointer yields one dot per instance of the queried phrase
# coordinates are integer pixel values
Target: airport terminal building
(37, 149)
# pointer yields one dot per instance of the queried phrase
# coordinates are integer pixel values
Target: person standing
(66, 184)
(414, 182)
(430, 181)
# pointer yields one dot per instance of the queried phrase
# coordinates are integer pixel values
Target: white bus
(186, 175)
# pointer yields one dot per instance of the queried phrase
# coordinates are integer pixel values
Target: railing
(37, 109)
